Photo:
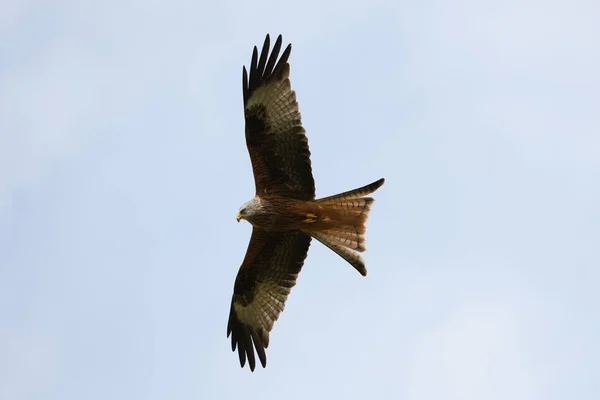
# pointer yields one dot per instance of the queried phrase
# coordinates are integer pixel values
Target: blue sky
(123, 163)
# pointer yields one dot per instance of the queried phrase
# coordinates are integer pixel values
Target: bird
(284, 213)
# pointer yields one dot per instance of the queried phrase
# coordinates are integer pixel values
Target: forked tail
(350, 211)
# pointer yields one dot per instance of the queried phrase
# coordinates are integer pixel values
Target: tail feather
(350, 207)
(356, 193)
(345, 252)
(347, 237)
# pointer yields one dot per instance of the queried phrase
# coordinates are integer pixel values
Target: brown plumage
(284, 213)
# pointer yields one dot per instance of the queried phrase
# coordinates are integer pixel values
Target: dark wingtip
(265, 65)
(283, 60)
(245, 339)
(259, 346)
(263, 56)
(361, 268)
(244, 84)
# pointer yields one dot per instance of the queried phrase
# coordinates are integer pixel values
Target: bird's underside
(284, 213)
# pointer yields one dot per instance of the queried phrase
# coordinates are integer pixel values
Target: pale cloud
(30, 364)
(43, 112)
(464, 355)
(119, 114)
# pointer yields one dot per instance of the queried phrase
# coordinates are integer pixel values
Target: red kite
(284, 213)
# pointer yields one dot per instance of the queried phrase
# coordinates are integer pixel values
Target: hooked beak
(238, 217)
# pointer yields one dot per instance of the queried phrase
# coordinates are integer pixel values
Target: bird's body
(284, 212)
(280, 213)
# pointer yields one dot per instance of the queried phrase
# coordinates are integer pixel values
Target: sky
(123, 164)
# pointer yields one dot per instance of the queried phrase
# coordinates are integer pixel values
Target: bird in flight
(284, 212)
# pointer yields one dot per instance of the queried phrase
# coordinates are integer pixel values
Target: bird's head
(247, 210)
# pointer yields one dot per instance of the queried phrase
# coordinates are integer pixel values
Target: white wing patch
(280, 104)
(263, 311)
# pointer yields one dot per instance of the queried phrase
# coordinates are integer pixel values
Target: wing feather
(263, 283)
(274, 55)
(263, 57)
(275, 136)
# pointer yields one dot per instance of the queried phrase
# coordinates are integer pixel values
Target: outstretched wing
(265, 279)
(275, 137)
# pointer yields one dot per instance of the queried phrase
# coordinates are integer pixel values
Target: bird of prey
(284, 212)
